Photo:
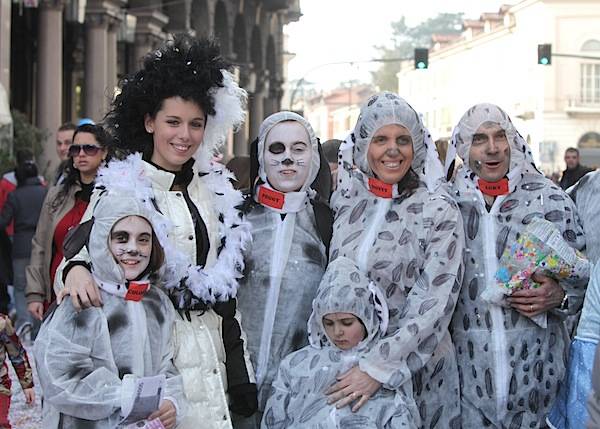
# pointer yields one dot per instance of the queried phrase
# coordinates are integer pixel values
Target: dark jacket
(24, 205)
(572, 176)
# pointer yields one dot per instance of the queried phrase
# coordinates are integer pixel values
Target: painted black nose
(287, 161)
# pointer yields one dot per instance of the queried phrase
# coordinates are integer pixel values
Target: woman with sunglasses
(62, 210)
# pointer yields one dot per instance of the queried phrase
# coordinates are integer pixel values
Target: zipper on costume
(498, 331)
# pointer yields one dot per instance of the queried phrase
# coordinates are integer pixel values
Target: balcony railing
(578, 104)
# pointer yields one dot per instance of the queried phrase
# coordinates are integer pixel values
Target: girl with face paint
(88, 360)
(290, 223)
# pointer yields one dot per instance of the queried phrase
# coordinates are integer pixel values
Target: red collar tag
(136, 291)
(379, 188)
(494, 188)
(271, 197)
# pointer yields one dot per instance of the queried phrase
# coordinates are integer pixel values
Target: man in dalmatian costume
(510, 367)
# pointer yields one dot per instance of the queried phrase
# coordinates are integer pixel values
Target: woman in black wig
(168, 121)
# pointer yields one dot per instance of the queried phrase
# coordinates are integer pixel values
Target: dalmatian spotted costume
(298, 399)
(84, 358)
(510, 368)
(284, 264)
(411, 246)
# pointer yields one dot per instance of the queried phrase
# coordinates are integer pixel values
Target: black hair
(331, 149)
(409, 182)
(185, 67)
(240, 166)
(25, 170)
(572, 149)
(71, 174)
(157, 256)
(23, 155)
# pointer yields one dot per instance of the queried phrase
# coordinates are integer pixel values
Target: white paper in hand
(142, 397)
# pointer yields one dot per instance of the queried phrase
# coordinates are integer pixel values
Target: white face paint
(131, 244)
(287, 156)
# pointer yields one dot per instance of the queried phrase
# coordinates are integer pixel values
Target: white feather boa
(230, 114)
(190, 284)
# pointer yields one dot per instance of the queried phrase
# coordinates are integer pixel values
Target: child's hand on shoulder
(29, 396)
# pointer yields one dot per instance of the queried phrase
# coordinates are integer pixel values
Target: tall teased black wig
(185, 67)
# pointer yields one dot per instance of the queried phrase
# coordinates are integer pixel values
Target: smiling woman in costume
(172, 115)
(396, 223)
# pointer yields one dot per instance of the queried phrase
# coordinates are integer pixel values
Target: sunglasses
(88, 149)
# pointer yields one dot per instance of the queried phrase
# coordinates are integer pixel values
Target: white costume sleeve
(276, 415)
(174, 389)
(75, 364)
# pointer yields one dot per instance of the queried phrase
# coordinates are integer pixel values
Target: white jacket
(200, 358)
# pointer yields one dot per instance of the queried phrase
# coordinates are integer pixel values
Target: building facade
(334, 113)
(61, 60)
(495, 60)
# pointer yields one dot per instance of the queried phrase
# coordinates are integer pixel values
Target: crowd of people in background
(330, 284)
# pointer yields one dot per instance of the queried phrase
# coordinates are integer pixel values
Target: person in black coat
(574, 171)
(23, 205)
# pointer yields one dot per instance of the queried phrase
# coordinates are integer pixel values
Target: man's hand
(36, 309)
(82, 288)
(532, 302)
(166, 413)
(352, 385)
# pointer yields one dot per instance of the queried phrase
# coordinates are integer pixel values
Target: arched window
(590, 75)
(589, 140)
(591, 45)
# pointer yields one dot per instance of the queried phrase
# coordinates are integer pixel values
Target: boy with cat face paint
(291, 228)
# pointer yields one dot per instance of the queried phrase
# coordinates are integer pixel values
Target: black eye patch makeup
(276, 148)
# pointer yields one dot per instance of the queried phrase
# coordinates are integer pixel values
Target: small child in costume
(11, 345)
(88, 360)
(349, 317)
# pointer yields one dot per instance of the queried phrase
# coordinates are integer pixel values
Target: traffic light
(421, 58)
(545, 54)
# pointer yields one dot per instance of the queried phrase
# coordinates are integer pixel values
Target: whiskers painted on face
(287, 161)
(130, 252)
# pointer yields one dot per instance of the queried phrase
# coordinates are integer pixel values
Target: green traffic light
(420, 65)
(544, 61)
